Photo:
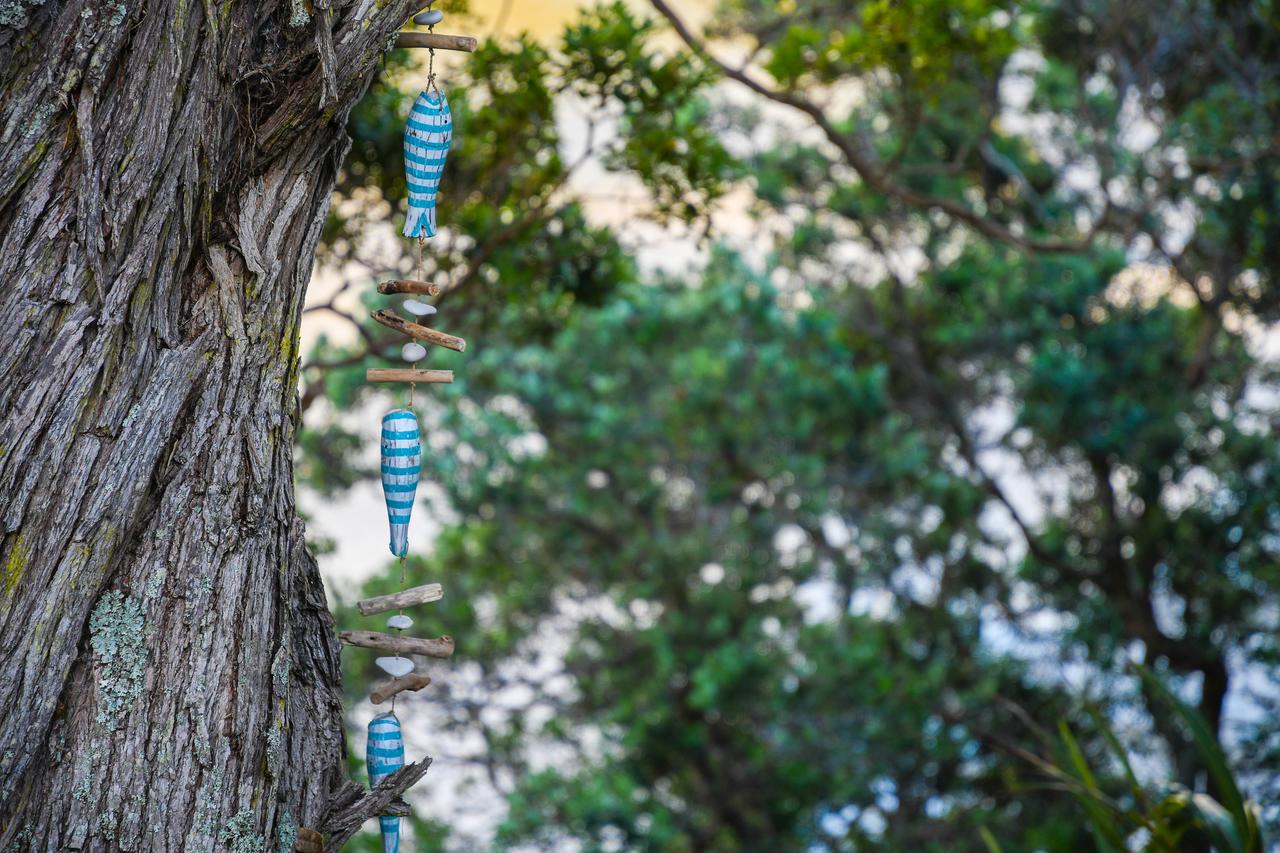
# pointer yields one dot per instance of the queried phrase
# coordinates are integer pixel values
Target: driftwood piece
(439, 647)
(402, 285)
(467, 44)
(396, 686)
(404, 598)
(392, 321)
(346, 814)
(401, 374)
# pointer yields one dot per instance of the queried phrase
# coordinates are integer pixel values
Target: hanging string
(413, 386)
(404, 560)
(422, 242)
(431, 66)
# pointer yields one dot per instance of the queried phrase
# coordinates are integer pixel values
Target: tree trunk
(168, 665)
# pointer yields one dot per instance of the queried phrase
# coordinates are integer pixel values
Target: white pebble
(399, 622)
(396, 666)
(413, 351)
(429, 18)
(422, 309)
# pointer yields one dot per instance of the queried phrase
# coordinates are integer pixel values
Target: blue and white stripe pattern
(401, 464)
(426, 144)
(384, 755)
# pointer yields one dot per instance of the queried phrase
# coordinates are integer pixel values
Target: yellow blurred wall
(545, 19)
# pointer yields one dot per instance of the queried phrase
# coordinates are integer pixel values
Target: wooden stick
(401, 285)
(464, 43)
(387, 689)
(400, 374)
(441, 647)
(404, 598)
(421, 333)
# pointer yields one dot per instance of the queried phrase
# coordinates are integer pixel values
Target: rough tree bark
(168, 665)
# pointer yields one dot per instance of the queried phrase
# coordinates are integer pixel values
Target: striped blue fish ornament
(385, 755)
(426, 144)
(401, 464)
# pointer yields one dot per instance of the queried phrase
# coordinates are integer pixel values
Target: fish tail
(390, 834)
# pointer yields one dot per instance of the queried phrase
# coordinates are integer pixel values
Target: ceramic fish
(426, 144)
(401, 464)
(385, 755)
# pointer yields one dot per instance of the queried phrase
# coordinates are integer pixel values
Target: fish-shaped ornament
(426, 144)
(384, 755)
(401, 464)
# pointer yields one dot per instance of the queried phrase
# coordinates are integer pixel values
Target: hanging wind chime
(427, 138)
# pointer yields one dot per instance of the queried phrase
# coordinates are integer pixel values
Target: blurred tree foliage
(801, 559)
(1176, 818)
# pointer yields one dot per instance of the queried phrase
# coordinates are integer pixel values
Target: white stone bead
(429, 18)
(399, 622)
(413, 351)
(422, 309)
(395, 667)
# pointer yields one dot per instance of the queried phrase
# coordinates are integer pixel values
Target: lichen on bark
(116, 635)
(240, 835)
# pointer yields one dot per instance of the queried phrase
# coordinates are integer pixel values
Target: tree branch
(860, 160)
(344, 821)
